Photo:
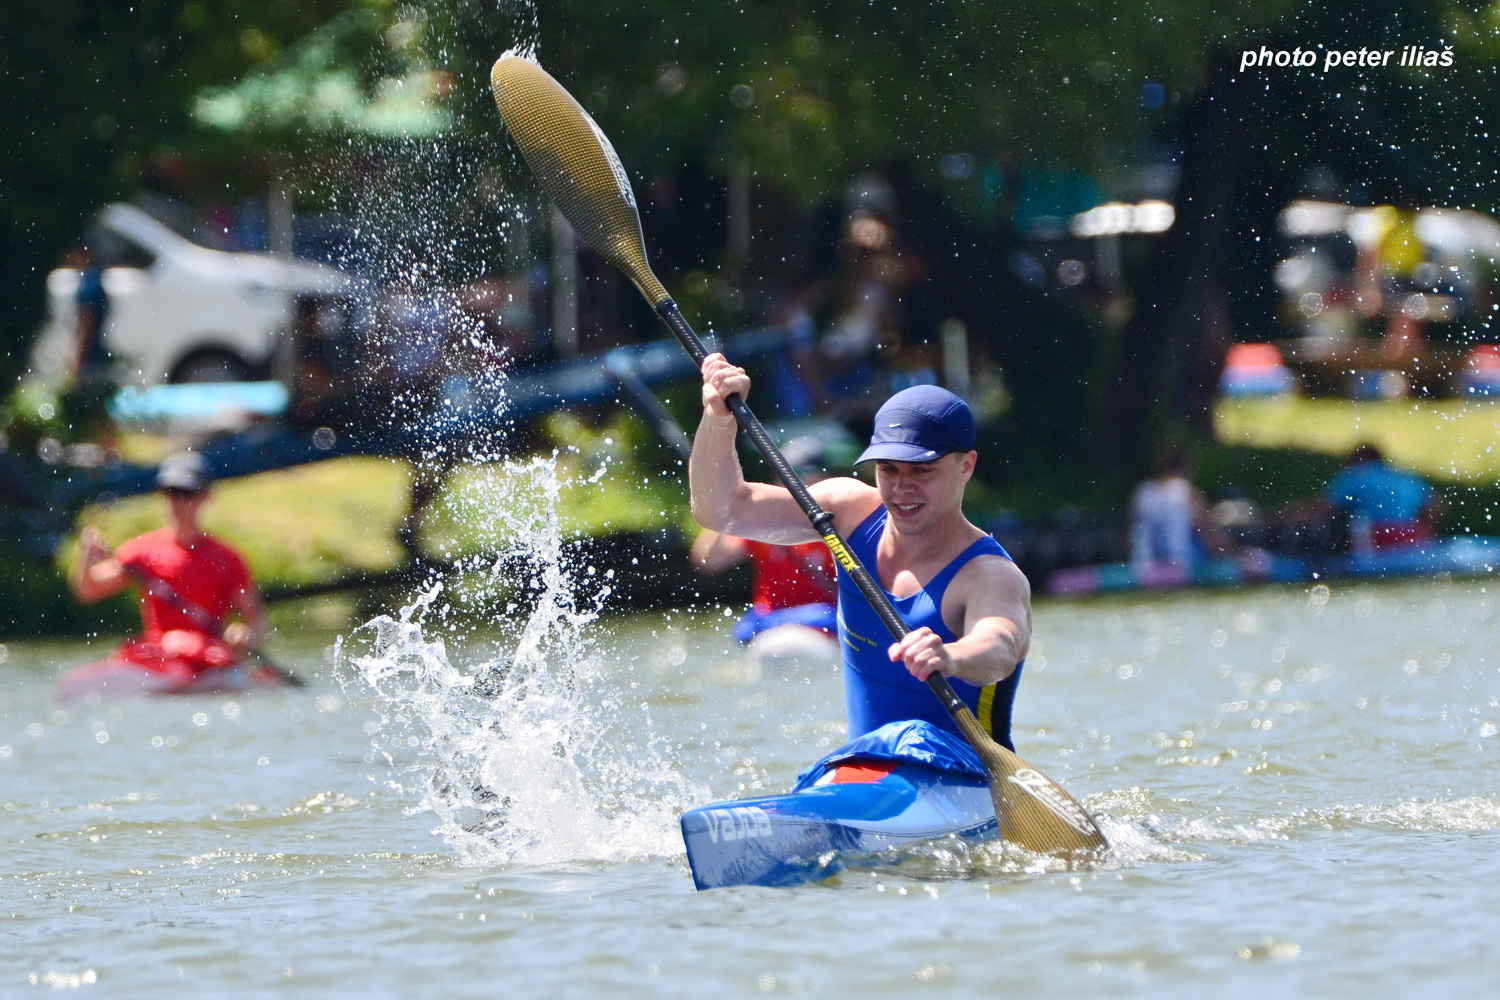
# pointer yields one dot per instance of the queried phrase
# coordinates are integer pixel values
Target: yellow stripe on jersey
(987, 709)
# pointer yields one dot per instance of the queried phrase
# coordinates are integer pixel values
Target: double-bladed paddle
(580, 172)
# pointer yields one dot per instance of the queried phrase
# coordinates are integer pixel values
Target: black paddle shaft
(822, 520)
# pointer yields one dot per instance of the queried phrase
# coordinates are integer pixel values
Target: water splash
(525, 753)
(510, 734)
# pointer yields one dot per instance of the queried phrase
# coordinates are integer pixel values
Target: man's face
(921, 494)
(185, 505)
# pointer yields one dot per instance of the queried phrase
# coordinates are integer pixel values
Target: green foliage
(810, 92)
(319, 87)
(36, 602)
(100, 101)
(806, 93)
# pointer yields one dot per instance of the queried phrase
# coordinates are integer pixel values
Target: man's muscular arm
(996, 634)
(724, 501)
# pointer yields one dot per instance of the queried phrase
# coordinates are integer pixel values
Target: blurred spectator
(1385, 279)
(1385, 507)
(1169, 520)
(91, 378)
(412, 318)
(791, 584)
(1368, 505)
(875, 270)
(496, 324)
(90, 360)
(796, 372)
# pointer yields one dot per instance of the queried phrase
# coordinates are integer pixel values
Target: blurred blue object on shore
(197, 401)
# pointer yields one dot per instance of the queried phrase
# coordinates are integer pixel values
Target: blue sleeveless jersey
(877, 691)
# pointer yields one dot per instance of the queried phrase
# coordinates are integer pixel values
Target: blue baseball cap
(920, 424)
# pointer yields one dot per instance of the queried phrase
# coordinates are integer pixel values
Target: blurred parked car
(180, 311)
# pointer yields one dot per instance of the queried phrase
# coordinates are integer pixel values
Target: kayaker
(1385, 507)
(968, 605)
(790, 584)
(190, 582)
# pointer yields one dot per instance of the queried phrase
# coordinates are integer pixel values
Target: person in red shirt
(190, 582)
(790, 584)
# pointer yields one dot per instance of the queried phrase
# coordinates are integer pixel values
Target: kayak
(904, 783)
(1211, 572)
(787, 647)
(1459, 555)
(123, 679)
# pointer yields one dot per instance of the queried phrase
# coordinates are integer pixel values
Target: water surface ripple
(1299, 784)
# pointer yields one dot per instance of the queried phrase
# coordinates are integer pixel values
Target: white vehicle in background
(182, 312)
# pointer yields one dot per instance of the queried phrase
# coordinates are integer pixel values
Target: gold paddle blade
(576, 166)
(1033, 810)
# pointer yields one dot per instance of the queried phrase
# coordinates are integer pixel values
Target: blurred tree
(811, 92)
(1249, 141)
(807, 94)
(100, 92)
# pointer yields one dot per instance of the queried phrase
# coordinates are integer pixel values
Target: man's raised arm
(722, 499)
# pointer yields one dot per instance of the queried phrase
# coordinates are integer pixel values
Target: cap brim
(896, 451)
(183, 483)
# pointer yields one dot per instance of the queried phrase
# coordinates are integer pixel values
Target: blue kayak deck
(811, 834)
(902, 784)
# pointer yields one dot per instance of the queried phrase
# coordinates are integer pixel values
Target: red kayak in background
(121, 678)
(184, 663)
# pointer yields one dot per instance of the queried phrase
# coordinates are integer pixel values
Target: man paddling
(190, 582)
(967, 603)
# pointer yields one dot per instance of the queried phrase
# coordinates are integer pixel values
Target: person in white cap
(191, 583)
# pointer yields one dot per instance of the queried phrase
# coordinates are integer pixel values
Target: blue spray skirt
(904, 783)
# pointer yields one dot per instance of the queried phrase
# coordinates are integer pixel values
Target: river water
(1300, 785)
